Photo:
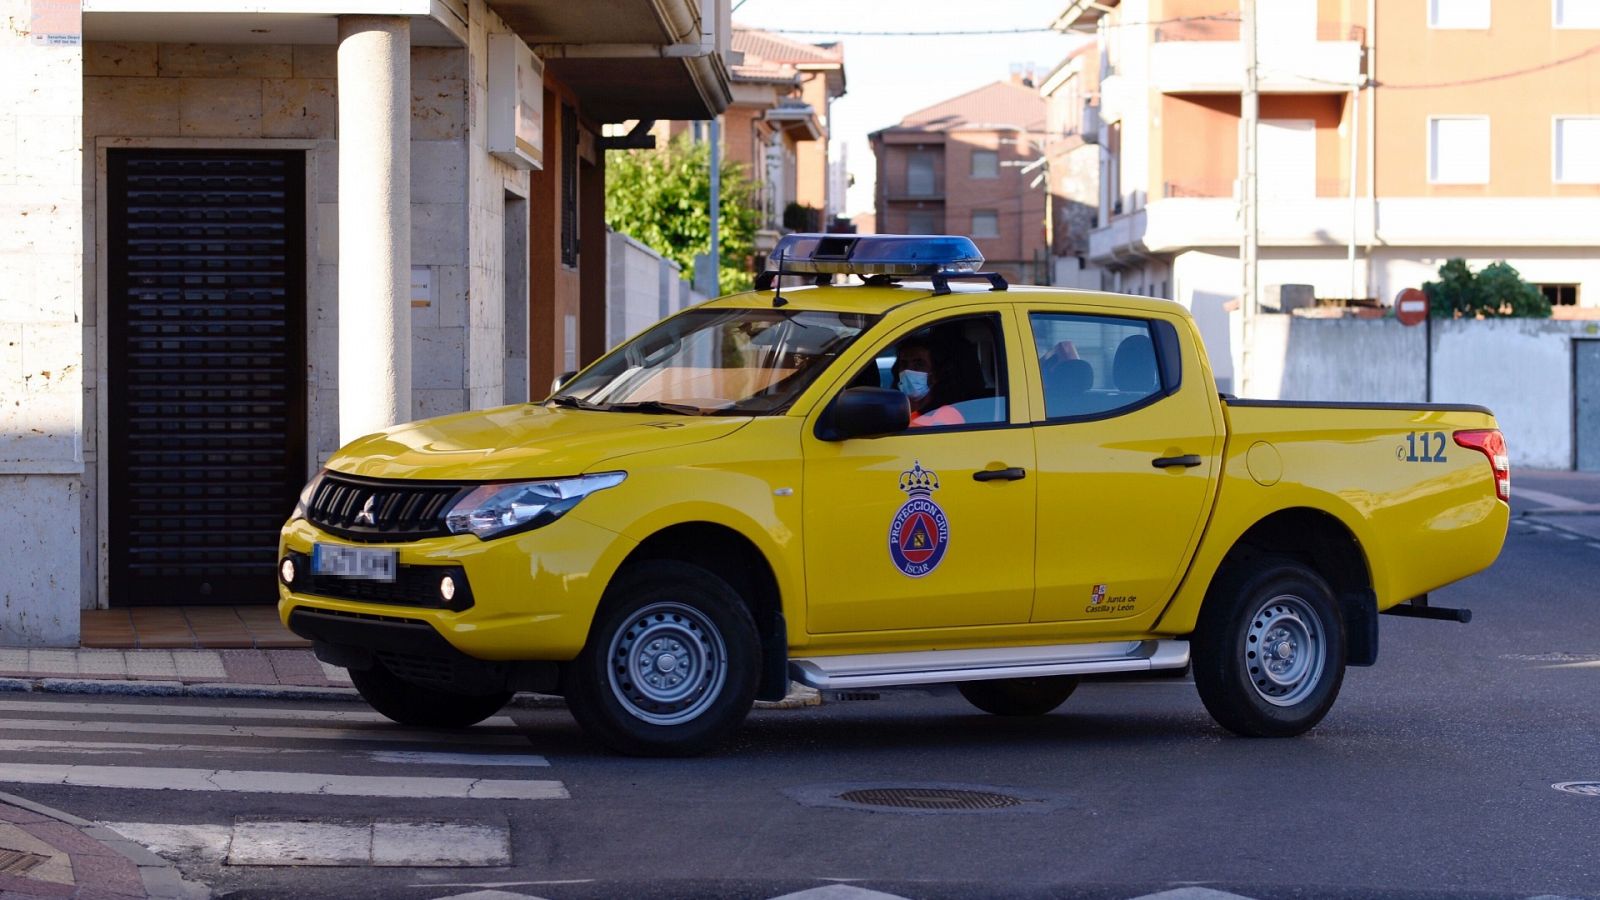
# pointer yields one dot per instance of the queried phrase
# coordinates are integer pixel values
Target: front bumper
(533, 595)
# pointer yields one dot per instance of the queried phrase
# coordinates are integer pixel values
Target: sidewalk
(289, 674)
(49, 853)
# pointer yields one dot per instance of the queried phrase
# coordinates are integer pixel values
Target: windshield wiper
(657, 406)
(572, 402)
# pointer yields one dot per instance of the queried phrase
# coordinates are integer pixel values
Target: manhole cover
(19, 862)
(929, 798)
(1581, 788)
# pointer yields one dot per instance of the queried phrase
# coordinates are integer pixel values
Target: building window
(922, 221)
(1577, 13)
(919, 175)
(569, 186)
(985, 223)
(1560, 294)
(985, 164)
(1458, 13)
(1577, 146)
(1458, 150)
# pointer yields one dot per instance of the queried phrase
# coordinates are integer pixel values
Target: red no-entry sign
(1411, 306)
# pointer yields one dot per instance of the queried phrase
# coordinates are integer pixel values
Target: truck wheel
(420, 705)
(671, 665)
(1269, 649)
(1019, 696)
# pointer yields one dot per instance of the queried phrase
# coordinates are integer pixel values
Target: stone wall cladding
(42, 334)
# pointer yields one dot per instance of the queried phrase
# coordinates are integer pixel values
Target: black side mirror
(561, 379)
(865, 412)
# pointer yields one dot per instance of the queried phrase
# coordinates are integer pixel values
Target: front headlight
(306, 493)
(493, 510)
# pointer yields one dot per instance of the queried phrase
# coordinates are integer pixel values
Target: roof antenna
(777, 284)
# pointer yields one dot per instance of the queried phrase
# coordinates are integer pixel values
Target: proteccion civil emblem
(920, 534)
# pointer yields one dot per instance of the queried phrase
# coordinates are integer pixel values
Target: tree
(663, 198)
(1494, 292)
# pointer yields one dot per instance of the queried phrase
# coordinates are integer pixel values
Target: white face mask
(913, 384)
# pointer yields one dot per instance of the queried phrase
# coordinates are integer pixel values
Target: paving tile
(199, 664)
(161, 626)
(12, 886)
(151, 663)
(112, 872)
(52, 661)
(102, 662)
(13, 660)
(106, 628)
(296, 667)
(336, 674)
(218, 627)
(66, 837)
(248, 666)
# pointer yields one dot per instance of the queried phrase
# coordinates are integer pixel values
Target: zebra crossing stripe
(258, 782)
(478, 737)
(402, 757)
(212, 712)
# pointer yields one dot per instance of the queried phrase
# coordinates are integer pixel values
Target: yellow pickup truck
(922, 476)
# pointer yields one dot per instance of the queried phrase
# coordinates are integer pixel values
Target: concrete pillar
(374, 223)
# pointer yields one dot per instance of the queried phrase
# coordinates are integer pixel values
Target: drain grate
(929, 798)
(19, 862)
(1581, 788)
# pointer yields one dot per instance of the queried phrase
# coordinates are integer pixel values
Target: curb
(161, 879)
(130, 688)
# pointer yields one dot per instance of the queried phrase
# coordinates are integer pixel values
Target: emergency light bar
(877, 257)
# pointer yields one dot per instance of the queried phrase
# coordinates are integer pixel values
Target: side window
(953, 371)
(1094, 366)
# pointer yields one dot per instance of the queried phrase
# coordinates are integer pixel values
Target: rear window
(1096, 366)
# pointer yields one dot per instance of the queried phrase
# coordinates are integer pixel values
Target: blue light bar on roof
(875, 254)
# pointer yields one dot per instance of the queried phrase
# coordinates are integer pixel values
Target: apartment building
(956, 167)
(237, 236)
(1073, 168)
(1396, 133)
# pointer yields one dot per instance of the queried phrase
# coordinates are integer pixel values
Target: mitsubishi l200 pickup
(924, 476)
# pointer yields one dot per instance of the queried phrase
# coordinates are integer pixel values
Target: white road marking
(187, 711)
(839, 892)
(1552, 501)
(402, 757)
(1569, 536)
(208, 843)
(1588, 664)
(248, 782)
(299, 844)
(1595, 545)
(440, 844)
(480, 737)
(497, 895)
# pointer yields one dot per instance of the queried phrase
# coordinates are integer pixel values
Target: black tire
(1019, 696)
(421, 705)
(697, 663)
(1282, 687)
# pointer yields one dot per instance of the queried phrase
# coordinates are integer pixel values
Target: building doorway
(206, 425)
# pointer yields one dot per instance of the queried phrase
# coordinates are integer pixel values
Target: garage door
(206, 357)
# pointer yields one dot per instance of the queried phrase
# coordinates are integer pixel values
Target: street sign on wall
(1411, 306)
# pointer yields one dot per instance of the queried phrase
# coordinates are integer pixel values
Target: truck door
(931, 527)
(1128, 443)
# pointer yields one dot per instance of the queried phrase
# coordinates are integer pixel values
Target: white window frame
(1433, 17)
(1555, 149)
(1488, 168)
(972, 165)
(1555, 19)
(988, 212)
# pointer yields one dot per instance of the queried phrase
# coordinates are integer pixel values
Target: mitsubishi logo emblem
(365, 517)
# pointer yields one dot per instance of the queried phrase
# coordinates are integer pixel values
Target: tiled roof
(1001, 103)
(779, 49)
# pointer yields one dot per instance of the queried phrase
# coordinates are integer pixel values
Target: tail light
(1491, 443)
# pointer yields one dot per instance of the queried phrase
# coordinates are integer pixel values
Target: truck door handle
(1012, 474)
(1188, 461)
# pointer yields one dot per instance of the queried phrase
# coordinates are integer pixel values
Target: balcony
(1206, 57)
(1179, 223)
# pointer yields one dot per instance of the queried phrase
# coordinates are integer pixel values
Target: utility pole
(1249, 202)
(716, 206)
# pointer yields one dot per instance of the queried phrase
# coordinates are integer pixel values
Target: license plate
(353, 562)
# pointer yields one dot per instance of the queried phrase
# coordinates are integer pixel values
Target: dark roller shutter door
(206, 340)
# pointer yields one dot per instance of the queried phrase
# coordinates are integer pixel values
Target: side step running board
(940, 666)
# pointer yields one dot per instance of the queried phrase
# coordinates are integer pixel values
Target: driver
(918, 367)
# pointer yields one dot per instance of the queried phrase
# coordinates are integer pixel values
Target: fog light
(447, 588)
(286, 569)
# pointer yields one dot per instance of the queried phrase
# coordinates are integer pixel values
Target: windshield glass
(717, 361)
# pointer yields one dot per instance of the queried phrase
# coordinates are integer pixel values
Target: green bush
(663, 199)
(1496, 291)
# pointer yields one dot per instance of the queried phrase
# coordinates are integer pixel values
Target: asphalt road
(1431, 777)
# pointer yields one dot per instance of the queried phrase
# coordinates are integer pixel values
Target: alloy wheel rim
(667, 664)
(1285, 650)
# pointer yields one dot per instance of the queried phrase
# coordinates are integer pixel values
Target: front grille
(366, 509)
(412, 586)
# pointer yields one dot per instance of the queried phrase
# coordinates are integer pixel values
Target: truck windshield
(717, 362)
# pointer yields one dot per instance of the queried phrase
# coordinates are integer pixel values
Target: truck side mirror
(865, 412)
(561, 379)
